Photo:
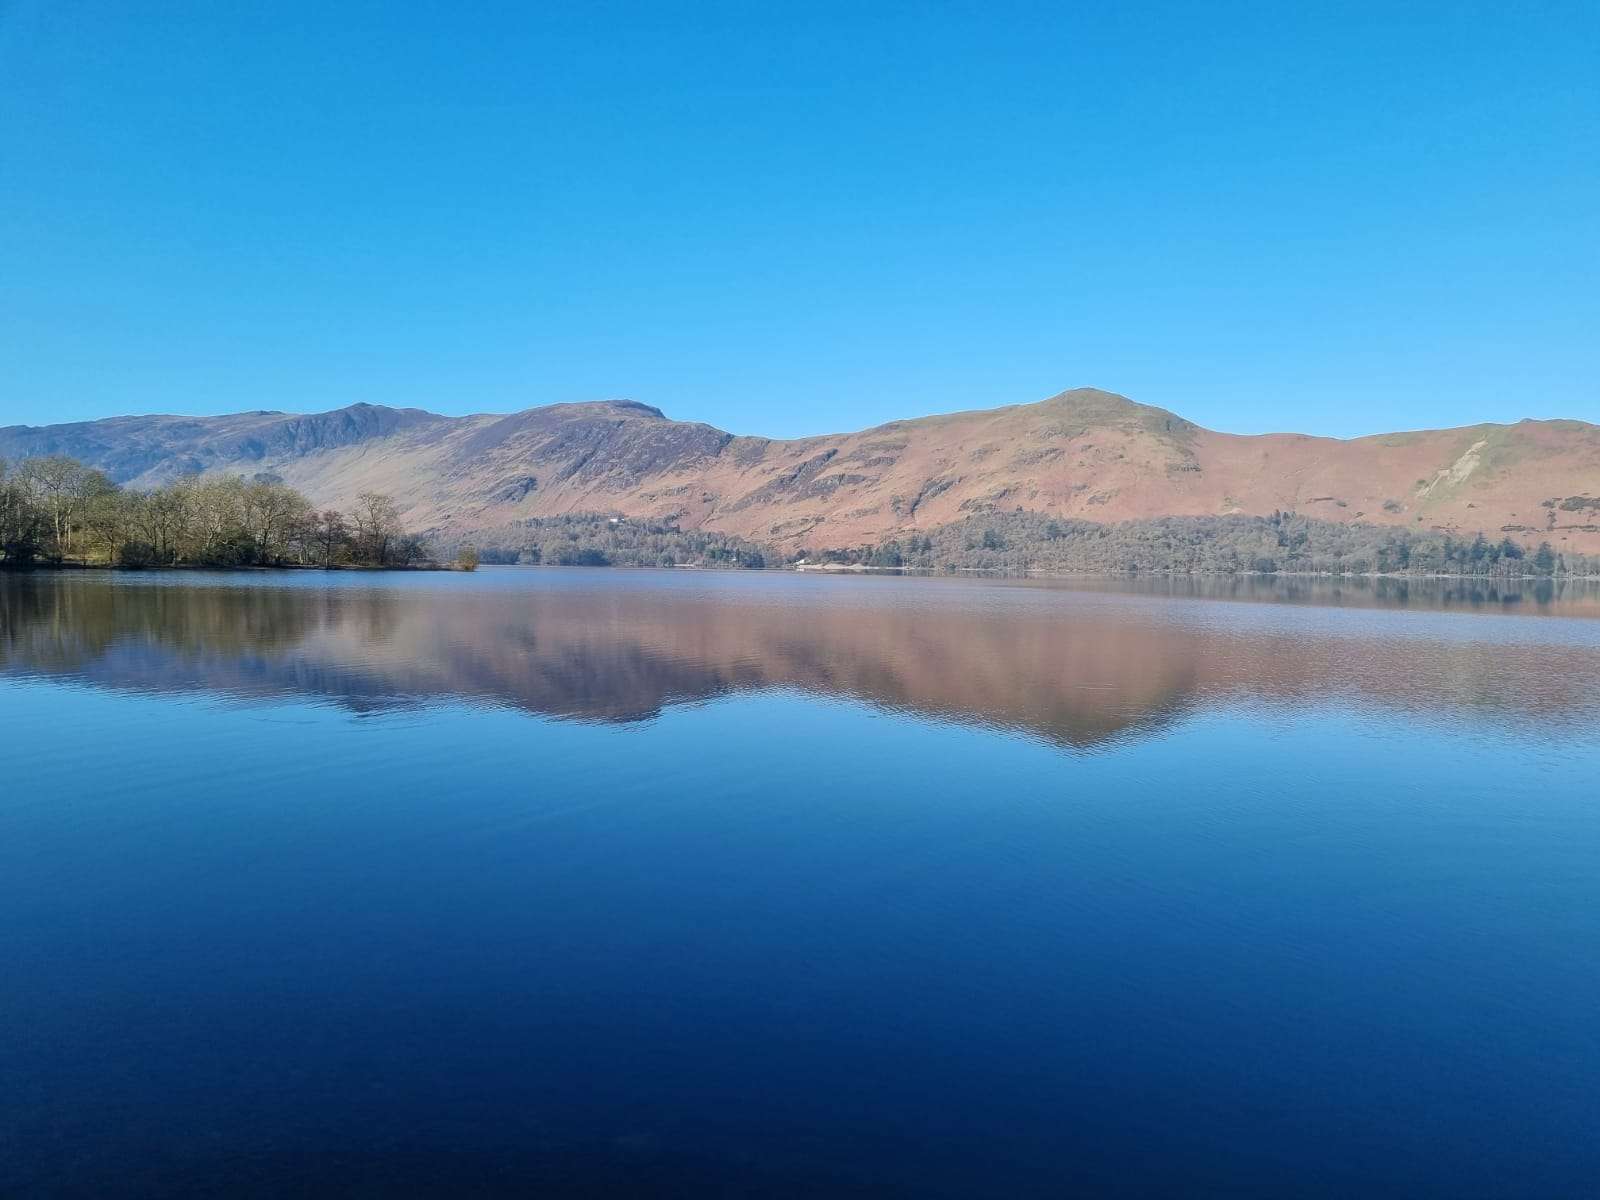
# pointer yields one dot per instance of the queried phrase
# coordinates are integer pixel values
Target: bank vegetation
(56, 511)
(1031, 543)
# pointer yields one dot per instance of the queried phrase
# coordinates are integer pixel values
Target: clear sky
(793, 219)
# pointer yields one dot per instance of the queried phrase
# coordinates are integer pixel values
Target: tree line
(1022, 543)
(55, 510)
(613, 540)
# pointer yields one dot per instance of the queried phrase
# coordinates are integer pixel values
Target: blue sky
(792, 219)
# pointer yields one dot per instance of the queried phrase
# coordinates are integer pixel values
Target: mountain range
(1085, 454)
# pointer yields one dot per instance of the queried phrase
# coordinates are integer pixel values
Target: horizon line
(663, 415)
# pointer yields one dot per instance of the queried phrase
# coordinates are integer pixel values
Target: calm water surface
(608, 883)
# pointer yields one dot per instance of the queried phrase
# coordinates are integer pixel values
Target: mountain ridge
(1083, 453)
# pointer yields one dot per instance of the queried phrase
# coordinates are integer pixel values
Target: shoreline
(29, 568)
(995, 573)
(808, 569)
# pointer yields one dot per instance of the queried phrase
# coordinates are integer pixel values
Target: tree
(407, 549)
(58, 483)
(271, 510)
(886, 555)
(329, 533)
(216, 532)
(167, 519)
(108, 519)
(20, 520)
(1544, 559)
(377, 527)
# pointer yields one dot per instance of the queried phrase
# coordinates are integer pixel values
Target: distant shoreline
(232, 569)
(997, 573)
(802, 569)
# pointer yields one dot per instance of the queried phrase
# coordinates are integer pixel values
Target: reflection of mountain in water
(1072, 667)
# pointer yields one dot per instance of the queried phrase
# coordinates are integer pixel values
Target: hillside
(1083, 454)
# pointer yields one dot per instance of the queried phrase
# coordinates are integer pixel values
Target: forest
(1024, 543)
(614, 540)
(56, 511)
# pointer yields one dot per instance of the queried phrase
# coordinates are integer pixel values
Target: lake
(590, 883)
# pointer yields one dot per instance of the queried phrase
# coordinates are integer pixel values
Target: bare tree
(218, 507)
(330, 531)
(58, 482)
(107, 515)
(166, 517)
(20, 520)
(377, 526)
(271, 510)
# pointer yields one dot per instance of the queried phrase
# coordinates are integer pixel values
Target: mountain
(1084, 453)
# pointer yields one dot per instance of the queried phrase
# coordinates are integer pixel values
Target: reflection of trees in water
(52, 623)
(1429, 593)
(1076, 672)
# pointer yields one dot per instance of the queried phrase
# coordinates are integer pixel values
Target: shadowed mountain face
(1082, 454)
(148, 450)
(1076, 668)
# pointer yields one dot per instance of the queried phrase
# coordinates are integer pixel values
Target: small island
(57, 512)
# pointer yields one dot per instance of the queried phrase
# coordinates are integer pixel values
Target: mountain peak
(635, 406)
(581, 408)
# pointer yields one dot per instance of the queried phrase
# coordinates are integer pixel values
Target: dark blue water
(594, 884)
